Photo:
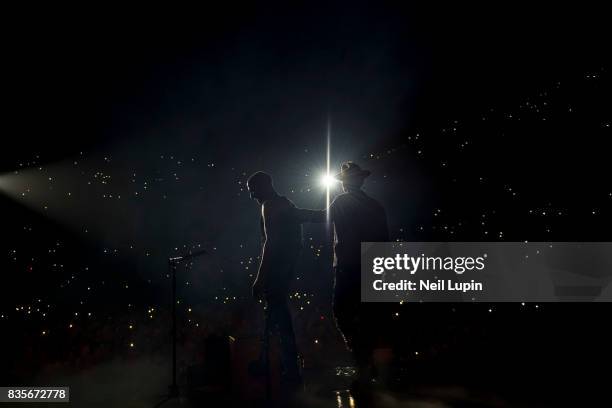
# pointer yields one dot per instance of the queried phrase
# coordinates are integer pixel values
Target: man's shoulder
(286, 201)
(340, 198)
(277, 204)
(372, 200)
(359, 198)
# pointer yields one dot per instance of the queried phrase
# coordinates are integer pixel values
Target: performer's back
(357, 218)
(286, 249)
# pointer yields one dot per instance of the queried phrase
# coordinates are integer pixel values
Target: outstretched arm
(315, 216)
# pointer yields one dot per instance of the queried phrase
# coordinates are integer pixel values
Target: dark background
(478, 123)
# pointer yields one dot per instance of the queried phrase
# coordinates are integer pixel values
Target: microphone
(187, 256)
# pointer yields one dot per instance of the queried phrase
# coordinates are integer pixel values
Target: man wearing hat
(357, 218)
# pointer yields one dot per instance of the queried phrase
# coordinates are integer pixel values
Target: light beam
(327, 172)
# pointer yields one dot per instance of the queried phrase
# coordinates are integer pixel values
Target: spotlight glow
(328, 181)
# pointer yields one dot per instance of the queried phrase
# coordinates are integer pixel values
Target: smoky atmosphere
(185, 194)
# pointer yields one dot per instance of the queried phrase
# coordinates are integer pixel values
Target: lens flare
(328, 181)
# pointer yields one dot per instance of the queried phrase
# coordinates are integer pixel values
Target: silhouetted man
(357, 218)
(282, 242)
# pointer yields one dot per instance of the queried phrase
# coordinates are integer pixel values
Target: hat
(350, 170)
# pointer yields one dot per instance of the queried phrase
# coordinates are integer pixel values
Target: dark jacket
(357, 218)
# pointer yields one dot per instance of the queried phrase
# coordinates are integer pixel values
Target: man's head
(260, 186)
(351, 176)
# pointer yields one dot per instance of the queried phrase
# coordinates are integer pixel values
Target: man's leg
(279, 319)
(351, 322)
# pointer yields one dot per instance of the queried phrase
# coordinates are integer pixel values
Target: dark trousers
(354, 319)
(278, 321)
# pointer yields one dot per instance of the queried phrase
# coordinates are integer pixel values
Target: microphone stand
(173, 389)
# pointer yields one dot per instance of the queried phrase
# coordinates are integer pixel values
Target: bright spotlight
(328, 181)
